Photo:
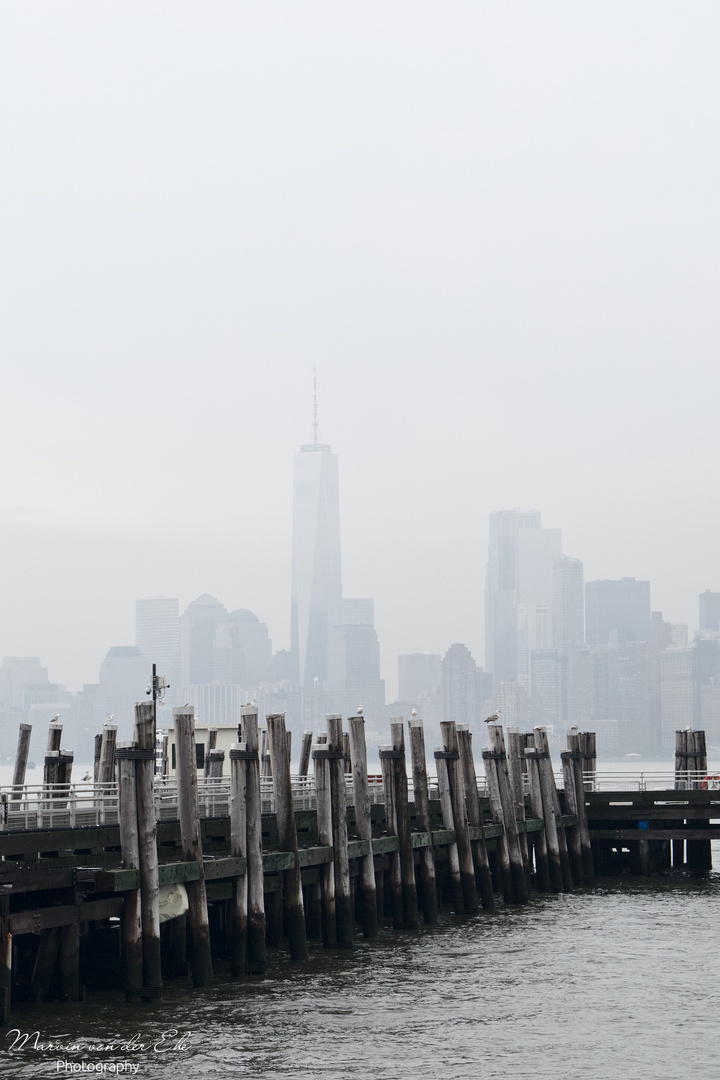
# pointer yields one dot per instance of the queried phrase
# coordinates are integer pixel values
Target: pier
(136, 878)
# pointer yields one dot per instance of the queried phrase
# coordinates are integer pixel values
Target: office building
(458, 681)
(316, 569)
(709, 603)
(521, 556)
(157, 636)
(619, 607)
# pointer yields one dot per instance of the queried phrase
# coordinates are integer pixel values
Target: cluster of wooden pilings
(170, 896)
(361, 877)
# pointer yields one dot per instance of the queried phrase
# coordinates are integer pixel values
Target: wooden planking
(625, 835)
(32, 922)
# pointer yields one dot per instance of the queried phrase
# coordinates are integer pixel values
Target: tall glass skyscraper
(316, 574)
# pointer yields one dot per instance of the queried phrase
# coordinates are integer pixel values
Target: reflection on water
(621, 980)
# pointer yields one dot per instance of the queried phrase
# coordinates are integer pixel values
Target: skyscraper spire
(315, 419)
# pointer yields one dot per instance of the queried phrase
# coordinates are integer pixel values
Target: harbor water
(618, 980)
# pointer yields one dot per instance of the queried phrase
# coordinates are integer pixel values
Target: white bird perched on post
(494, 718)
(359, 710)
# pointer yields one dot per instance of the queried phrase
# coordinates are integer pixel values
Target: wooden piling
(462, 832)
(54, 735)
(446, 806)
(238, 849)
(571, 807)
(45, 962)
(21, 760)
(402, 814)
(422, 820)
(575, 746)
(515, 754)
(393, 894)
(5, 959)
(305, 748)
(147, 840)
(344, 915)
(69, 963)
(367, 893)
(131, 921)
(209, 747)
(256, 951)
(191, 844)
(540, 844)
(550, 795)
(328, 926)
(106, 766)
(502, 855)
(96, 765)
(517, 868)
(474, 814)
(699, 852)
(214, 762)
(294, 912)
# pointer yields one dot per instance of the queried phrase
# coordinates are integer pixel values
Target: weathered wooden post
(256, 951)
(699, 852)
(293, 909)
(54, 735)
(21, 760)
(462, 832)
(96, 766)
(549, 794)
(106, 767)
(165, 765)
(305, 748)
(386, 754)
(147, 838)
(589, 758)
(131, 922)
(323, 802)
(483, 876)
(517, 867)
(515, 752)
(363, 826)
(571, 807)
(344, 916)
(581, 808)
(422, 819)
(446, 807)
(211, 744)
(496, 808)
(540, 846)
(402, 816)
(238, 849)
(190, 840)
(5, 957)
(214, 762)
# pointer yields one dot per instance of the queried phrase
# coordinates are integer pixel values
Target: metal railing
(76, 806)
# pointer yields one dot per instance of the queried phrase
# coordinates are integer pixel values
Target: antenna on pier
(315, 419)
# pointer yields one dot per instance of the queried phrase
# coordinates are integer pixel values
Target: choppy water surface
(618, 981)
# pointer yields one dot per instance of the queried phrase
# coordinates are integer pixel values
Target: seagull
(56, 717)
(414, 712)
(359, 710)
(86, 777)
(493, 719)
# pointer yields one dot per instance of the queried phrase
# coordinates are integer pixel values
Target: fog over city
(491, 229)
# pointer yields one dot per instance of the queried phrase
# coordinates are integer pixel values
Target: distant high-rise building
(242, 652)
(617, 607)
(458, 685)
(316, 569)
(418, 673)
(16, 673)
(568, 604)
(709, 611)
(534, 632)
(521, 556)
(353, 679)
(122, 682)
(198, 627)
(157, 636)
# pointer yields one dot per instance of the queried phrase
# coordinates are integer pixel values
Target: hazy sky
(492, 226)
